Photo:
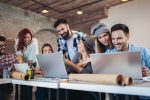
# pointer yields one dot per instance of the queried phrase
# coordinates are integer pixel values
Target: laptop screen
(52, 65)
(125, 63)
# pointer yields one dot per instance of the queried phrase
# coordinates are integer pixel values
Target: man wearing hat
(103, 41)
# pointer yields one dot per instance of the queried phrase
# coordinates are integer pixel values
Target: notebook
(52, 65)
(125, 63)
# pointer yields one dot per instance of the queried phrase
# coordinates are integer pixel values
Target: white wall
(135, 14)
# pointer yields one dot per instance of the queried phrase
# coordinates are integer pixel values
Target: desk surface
(47, 83)
(136, 89)
(5, 81)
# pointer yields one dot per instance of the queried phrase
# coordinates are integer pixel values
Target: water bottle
(5, 73)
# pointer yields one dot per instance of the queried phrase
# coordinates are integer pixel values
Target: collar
(1, 57)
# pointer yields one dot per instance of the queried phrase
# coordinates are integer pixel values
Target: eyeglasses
(2, 45)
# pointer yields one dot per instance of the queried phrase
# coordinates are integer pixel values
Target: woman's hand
(82, 63)
(38, 71)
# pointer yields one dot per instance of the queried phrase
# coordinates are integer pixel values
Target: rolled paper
(127, 81)
(114, 79)
(19, 75)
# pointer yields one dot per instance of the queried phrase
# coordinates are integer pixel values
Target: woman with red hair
(27, 48)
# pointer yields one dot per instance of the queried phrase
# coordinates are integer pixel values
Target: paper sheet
(21, 67)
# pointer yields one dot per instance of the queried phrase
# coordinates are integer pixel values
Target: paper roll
(115, 79)
(127, 81)
(19, 75)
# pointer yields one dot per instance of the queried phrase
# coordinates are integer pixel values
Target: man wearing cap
(120, 40)
(6, 62)
(103, 41)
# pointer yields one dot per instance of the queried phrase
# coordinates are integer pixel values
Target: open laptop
(52, 65)
(125, 63)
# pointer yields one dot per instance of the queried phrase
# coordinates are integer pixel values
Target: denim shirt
(62, 45)
(145, 54)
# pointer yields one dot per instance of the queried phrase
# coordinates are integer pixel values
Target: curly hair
(21, 37)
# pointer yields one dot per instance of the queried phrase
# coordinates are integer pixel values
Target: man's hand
(145, 71)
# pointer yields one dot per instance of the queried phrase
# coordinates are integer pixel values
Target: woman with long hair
(103, 41)
(27, 48)
(82, 64)
(42, 93)
(103, 37)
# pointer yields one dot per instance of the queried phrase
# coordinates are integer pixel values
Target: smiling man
(67, 39)
(6, 62)
(120, 39)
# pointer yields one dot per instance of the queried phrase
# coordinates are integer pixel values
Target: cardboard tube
(127, 81)
(115, 79)
(19, 75)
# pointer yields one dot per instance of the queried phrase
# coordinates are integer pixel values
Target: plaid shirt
(62, 45)
(7, 61)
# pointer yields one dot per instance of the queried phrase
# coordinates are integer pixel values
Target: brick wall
(13, 19)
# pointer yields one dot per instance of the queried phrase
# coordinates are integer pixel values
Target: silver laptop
(125, 63)
(52, 65)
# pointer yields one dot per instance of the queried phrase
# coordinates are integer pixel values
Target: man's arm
(146, 68)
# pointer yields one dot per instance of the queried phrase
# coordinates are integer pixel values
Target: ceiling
(93, 10)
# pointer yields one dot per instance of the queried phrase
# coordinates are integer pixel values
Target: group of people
(76, 47)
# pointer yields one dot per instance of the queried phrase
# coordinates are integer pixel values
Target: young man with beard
(68, 43)
(6, 62)
(120, 39)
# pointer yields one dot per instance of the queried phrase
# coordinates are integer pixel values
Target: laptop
(125, 63)
(52, 65)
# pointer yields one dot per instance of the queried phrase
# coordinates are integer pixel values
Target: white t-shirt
(71, 49)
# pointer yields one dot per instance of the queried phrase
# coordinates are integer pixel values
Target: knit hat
(99, 28)
(89, 43)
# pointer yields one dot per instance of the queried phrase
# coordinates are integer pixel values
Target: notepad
(21, 67)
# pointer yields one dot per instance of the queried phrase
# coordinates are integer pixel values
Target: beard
(65, 35)
(1, 53)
